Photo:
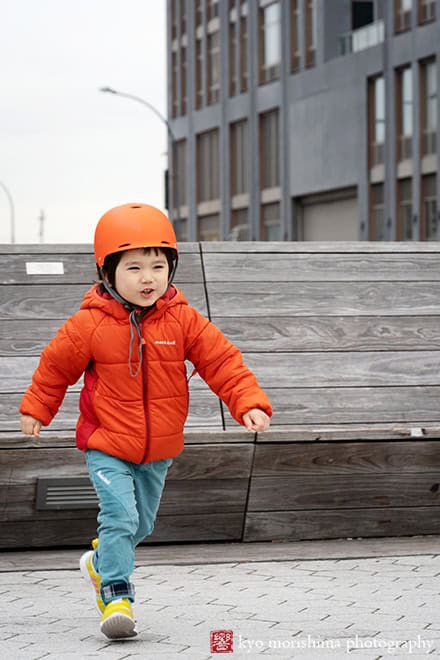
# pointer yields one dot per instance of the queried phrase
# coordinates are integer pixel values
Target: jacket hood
(95, 299)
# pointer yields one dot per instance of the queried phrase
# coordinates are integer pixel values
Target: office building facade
(304, 119)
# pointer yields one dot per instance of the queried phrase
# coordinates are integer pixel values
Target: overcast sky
(66, 148)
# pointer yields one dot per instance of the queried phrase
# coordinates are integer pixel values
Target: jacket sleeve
(61, 364)
(220, 364)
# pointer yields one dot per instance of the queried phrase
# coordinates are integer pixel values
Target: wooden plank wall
(216, 463)
(345, 337)
(346, 340)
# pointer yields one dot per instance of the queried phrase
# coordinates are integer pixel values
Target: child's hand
(30, 425)
(256, 420)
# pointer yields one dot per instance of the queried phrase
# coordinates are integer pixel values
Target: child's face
(142, 278)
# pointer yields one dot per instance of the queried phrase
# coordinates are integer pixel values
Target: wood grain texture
(346, 369)
(372, 431)
(324, 333)
(353, 405)
(346, 458)
(324, 299)
(350, 491)
(345, 338)
(295, 267)
(311, 247)
(342, 523)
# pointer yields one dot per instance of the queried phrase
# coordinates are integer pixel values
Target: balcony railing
(365, 37)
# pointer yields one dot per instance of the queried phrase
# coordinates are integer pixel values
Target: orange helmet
(132, 226)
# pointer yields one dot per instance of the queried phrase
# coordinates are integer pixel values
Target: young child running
(130, 339)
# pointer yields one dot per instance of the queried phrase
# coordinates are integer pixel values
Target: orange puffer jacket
(139, 419)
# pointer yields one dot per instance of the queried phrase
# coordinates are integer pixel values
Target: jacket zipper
(145, 402)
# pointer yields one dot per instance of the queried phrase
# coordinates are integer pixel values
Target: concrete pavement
(321, 600)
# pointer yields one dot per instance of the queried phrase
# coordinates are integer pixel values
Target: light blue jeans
(129, 496)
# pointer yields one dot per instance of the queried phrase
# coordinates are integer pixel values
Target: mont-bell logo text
(166, 342)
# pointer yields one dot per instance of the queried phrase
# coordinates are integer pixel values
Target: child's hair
(112, 260)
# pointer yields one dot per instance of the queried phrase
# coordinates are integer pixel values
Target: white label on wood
(44, 268)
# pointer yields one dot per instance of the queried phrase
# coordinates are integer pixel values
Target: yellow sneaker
(117, 620)
(92, 577)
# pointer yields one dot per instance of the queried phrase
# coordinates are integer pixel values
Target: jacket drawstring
(134, 326)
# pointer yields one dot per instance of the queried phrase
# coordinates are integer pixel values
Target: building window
(183, 74)
(243, 47)
(269, 42)
(404, 210)
(426, 11)
(430, 229)
(239, 158)
(178, 58)
(199, 12)
(180, 174)
(294, 36)
(237, 47)
(376, 112)
(208, 178)
(239, 225)
(233, 48)
(199, 73)
(174, 99)
(310, 33)
(428, 101)
(208, 227)
(362, 14)
(404, 108)
(377, 213)
(270, 222)
(212, 7)
(402, 15)
(213, 67)
(269, 150)
(173, 20)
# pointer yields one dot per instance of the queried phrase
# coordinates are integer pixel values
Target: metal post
(174, 176)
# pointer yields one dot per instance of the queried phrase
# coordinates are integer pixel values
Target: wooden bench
(345, 338)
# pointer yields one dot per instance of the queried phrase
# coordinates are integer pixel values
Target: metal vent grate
(68, 493)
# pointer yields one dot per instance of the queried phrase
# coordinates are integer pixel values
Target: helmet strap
(114, 294)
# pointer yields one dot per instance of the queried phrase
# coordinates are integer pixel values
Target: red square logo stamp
(222, 641)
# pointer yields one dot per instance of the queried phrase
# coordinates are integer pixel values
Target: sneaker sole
(86, 575)
(118, 626)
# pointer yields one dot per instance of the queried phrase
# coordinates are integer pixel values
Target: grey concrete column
(191, 138)
(437, 9)
(285, 203)
(253, 137)
(225, 187)
(416, 181)
(390, 127)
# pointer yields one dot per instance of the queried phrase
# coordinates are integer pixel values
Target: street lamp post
(174, 177)
(11, 209)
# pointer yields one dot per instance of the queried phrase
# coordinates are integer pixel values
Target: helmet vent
(124, 245)
(165, 242)
(136, 206)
